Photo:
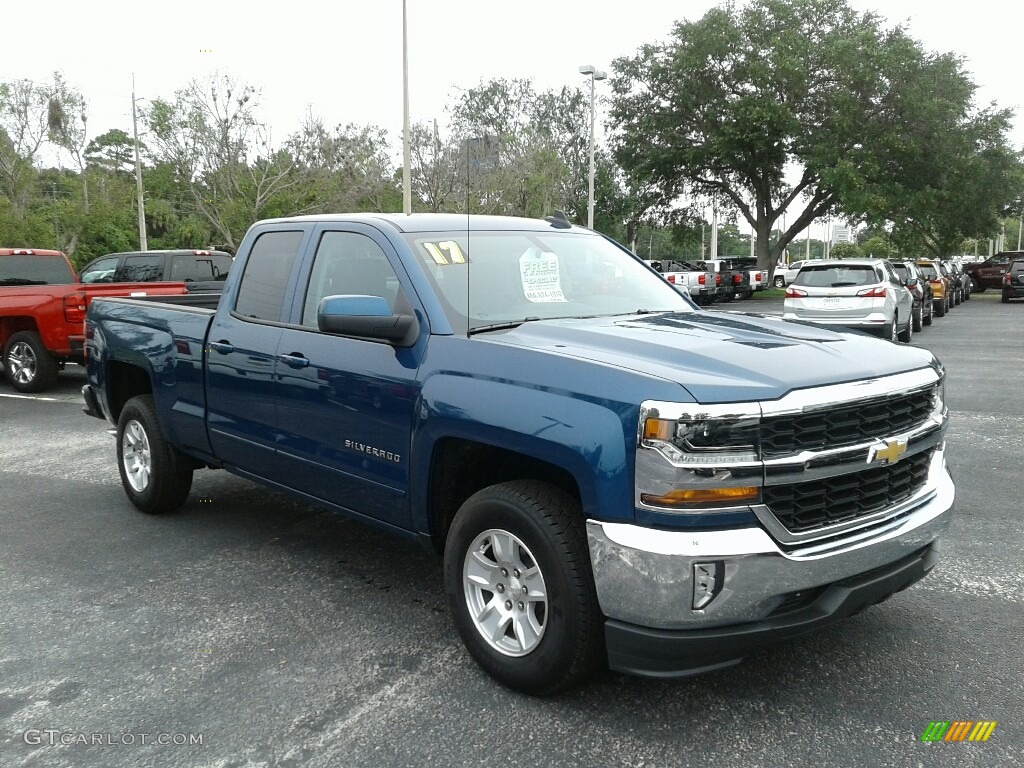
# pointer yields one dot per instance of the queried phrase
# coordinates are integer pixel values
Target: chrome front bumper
(645, 577)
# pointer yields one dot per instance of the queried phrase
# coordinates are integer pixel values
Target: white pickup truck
(785, 275)
(682, 274)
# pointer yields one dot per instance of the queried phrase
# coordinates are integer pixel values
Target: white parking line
(35, 397)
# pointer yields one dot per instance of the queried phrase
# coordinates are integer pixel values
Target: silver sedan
(857, 293)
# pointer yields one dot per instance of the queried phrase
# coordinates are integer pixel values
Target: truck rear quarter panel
(166, 344)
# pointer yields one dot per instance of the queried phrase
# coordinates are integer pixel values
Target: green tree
(772, 105)
(845, 251)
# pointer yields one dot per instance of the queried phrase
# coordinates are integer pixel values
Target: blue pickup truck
(613, 475)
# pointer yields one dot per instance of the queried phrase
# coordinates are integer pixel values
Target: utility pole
(714, 229)
(143, 246)
(406, 153)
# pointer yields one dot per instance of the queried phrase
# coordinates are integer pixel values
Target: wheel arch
(460, 467)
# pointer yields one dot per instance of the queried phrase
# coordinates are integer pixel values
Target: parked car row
(894, 299)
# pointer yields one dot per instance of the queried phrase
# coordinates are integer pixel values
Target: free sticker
(541, 281)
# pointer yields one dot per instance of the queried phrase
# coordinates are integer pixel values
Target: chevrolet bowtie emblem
(889, 454)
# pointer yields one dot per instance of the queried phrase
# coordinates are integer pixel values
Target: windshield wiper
(501, 326)
(21, 281)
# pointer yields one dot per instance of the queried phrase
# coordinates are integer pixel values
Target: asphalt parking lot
(279, 635)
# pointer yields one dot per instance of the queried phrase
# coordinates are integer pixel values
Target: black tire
(779, 282)
(1005, 298)
(975, 286)
(918, 318)
(906, 335)
(28, 365)
(548, 526)
(940, 311)
(931, 311)
(169, 478)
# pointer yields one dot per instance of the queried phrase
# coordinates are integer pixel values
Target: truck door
(345, 406)
(241, 352)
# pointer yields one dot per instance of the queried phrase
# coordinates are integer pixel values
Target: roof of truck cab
(29, 252)
(438, 222)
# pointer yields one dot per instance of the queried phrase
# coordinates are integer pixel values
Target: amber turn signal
(685, 497)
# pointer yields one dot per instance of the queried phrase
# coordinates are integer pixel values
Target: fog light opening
(707, 583)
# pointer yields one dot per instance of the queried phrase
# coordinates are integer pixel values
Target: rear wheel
(520, 587)
(779, 282)
(29, 367)
(156, 477)
(918, 317)
(1005, 298)
(931, 311)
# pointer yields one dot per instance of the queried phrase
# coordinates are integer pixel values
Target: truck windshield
(35, 270)
(514, 277)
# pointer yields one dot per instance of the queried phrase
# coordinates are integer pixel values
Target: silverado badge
(890, 453)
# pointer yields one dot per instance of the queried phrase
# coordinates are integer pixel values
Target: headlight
(704, 460)
(711, 441)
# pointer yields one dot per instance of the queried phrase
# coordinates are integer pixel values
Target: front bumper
(645, 583)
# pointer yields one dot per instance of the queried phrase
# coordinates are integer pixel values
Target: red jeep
(42, 313)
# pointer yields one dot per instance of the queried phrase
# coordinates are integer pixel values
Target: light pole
(143, 245)
(1020, 221)
(594, 74)
(406, 174)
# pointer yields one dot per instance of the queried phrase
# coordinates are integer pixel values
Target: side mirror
(911, 282)
(367, 317)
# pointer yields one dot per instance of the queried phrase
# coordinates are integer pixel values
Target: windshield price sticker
(541, 281)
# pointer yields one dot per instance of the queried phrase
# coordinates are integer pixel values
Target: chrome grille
(810, 506)
(845, 425)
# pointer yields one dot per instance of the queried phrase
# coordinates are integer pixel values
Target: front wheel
(520, 587)
(779, 282)
(156, 478)
(931, 311)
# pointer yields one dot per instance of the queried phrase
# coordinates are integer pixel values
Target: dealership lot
(277, 634)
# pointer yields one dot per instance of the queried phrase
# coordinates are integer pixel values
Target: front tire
(156, 477)
(28, 364)
(520, 587)
(931, 312)
(779, 282)
(918, 318)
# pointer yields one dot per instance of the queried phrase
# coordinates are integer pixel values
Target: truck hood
(722, 357)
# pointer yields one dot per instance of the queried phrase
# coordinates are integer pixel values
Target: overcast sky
(343, 59)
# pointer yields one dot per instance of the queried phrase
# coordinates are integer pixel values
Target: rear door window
(267, 271)
(140, 269)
